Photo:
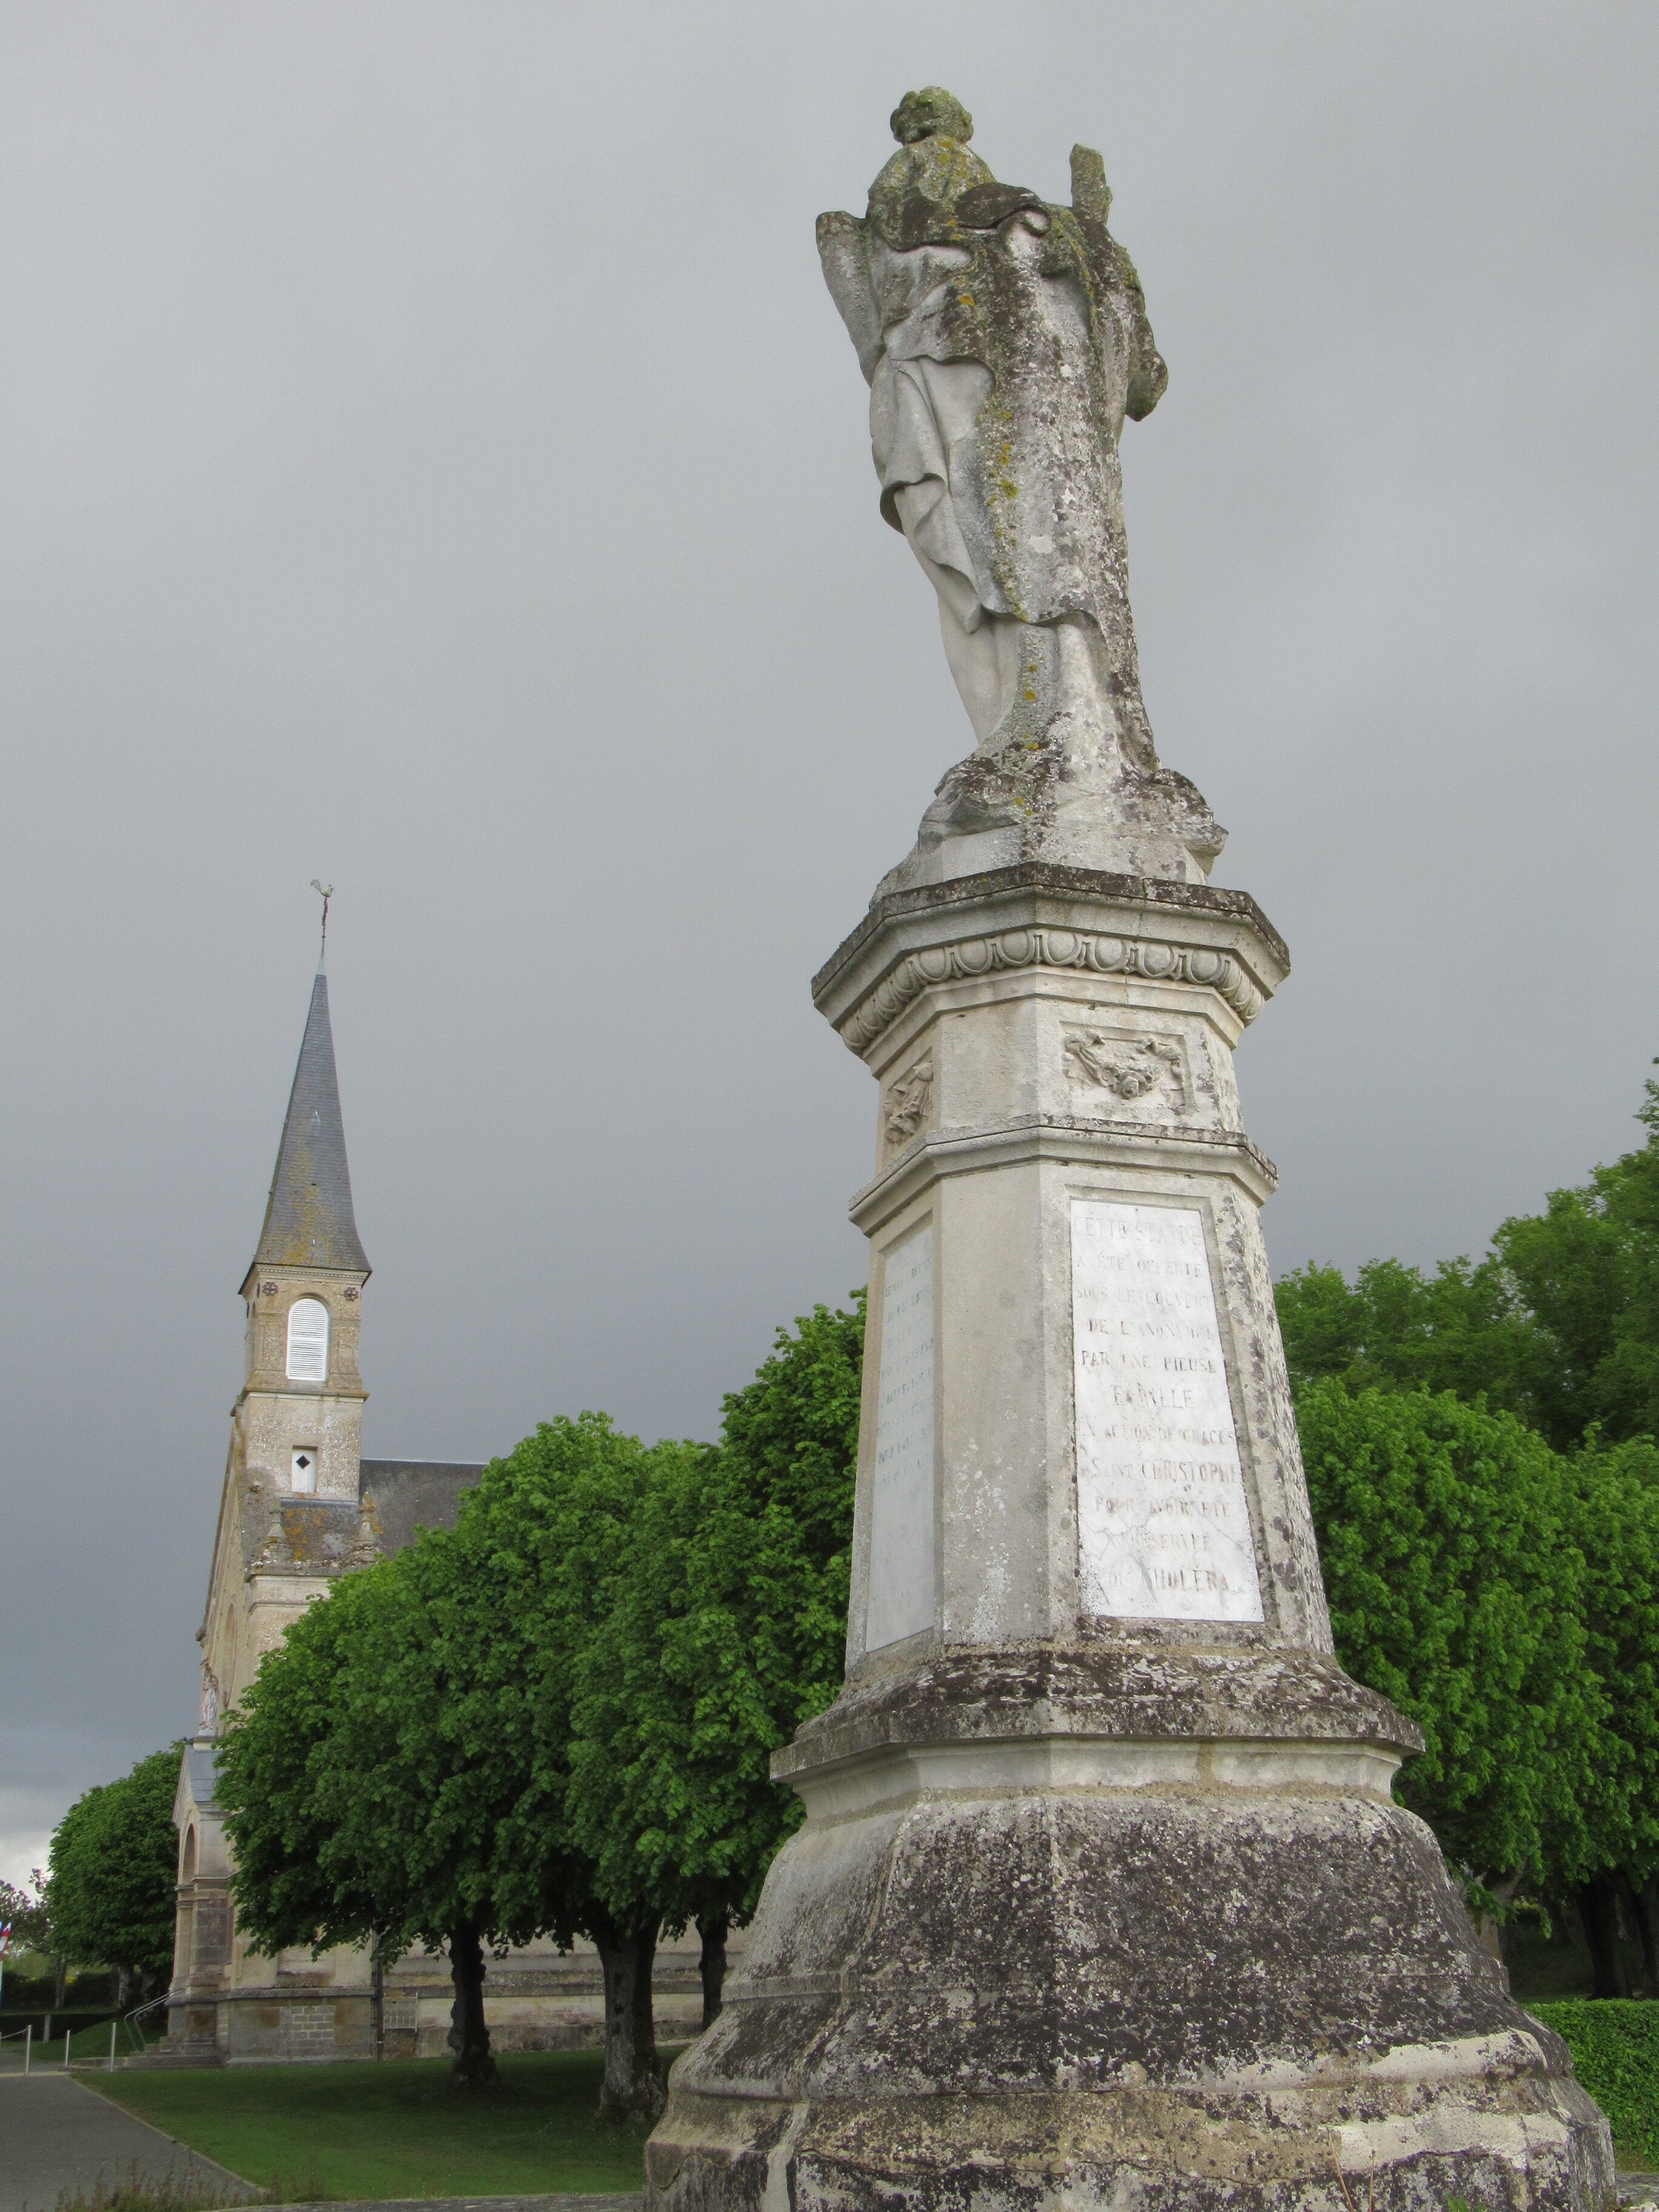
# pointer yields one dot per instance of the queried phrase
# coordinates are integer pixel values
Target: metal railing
(136, 2036)
(126, 2039)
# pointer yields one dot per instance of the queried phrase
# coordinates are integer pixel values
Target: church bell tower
(300, 1410)
(296, 1427)
(290, 1518)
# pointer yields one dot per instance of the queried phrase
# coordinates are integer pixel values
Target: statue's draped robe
(1005, 340)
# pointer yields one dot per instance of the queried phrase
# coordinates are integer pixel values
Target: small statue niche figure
(209, 1722)
(1005, 341)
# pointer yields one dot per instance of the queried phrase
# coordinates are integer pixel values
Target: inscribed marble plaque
(1163, 1524)
(900, 1585)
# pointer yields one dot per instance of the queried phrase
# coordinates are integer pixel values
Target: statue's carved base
(1033, 804)
(1026, 1958)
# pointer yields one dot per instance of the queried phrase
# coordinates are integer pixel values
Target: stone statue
(1005, 341)
(1103, 1901)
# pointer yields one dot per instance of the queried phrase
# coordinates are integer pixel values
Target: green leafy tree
(1613, 1512)
(1456, 1589)
(401, 1768)
(1587, 1270)
(274, 1760)
(724, 1630)
(398, 1770)
(1558, 1324)
(640, 1769)
(1462, 1328)
(369, 1772)
(111, 1887)
(558, 1717)
(27, 1912)
(551, 1529)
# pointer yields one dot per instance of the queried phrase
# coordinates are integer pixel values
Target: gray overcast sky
(430, 461)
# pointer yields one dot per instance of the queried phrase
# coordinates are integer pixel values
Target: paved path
(56, 2134)
(569, 2201)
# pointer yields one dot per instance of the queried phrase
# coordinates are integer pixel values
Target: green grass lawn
(395, 2129)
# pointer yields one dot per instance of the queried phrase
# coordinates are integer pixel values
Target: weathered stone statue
(1103, 1902)
(1005, 341)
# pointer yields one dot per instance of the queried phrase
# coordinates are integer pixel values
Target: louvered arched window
(307, 1341)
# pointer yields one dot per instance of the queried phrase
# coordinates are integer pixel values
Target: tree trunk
(377, 2000)
(1644, 1911)
(712, 1965)
(1488, 1928)
(633, 2087)
(60, 1984)
(469, 2037)
(1598, 1906)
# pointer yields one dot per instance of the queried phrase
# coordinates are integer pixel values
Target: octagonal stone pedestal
(1102, 1897)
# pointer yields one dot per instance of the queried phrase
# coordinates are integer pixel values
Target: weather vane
(327, 891)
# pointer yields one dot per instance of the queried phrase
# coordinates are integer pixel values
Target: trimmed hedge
(92, 1992)
(1615, 2042)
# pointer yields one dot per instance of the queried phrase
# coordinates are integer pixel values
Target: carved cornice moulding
(1145, 1149)
(1105, 954)
(1044, 881)
(1057, 919)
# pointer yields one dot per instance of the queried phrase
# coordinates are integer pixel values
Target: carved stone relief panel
(909, 1098)
(1124, 1072)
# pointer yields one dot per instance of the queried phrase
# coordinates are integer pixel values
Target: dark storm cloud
(429, 460)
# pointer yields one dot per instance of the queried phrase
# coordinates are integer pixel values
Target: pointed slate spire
(308, 1220)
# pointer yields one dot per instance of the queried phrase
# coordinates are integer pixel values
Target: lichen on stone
(932, 113)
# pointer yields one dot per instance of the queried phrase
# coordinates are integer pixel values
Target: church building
(300, 1505)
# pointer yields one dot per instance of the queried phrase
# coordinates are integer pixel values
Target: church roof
(399, 1496)
(308, 1220)
(310, 1535)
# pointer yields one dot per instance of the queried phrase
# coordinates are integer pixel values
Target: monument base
(1103, 1899)
(1117, 1925)
(1035, 806)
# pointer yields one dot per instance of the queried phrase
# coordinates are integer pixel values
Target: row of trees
(557, 1718)
(1481, 1455)
(1507, 1596)
(1558, 1324)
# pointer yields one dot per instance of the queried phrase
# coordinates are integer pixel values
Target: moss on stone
(932, 113)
